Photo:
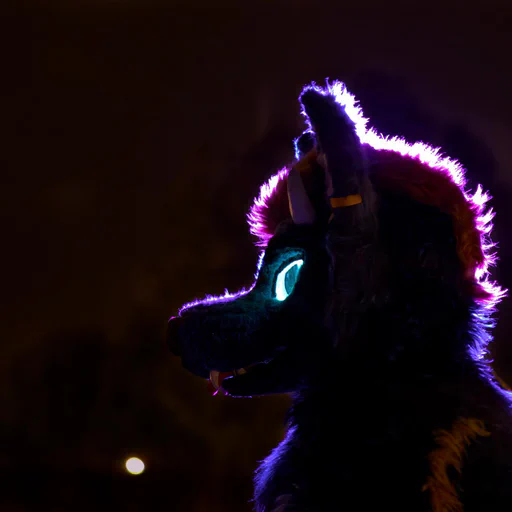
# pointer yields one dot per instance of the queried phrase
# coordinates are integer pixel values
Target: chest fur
(399, 460)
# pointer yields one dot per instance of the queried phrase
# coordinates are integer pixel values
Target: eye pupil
(287, 278)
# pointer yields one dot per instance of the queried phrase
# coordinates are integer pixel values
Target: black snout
(173, 335)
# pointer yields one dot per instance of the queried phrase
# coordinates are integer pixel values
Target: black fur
(375, 344)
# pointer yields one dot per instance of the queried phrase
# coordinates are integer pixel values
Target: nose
(173, 335)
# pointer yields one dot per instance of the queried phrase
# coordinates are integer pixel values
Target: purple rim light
(256, 215)
(228, 296)
(426, 154)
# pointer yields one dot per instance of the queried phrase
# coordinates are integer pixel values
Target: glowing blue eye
(287, 278)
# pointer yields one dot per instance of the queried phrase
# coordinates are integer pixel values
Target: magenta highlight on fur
(228, 296)
(425, 153)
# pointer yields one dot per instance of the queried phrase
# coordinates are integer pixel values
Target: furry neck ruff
(376, 315)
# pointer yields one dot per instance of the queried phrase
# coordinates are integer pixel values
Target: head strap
(343, 202)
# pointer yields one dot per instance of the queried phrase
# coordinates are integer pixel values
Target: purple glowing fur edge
(425, 153)
(228, 296)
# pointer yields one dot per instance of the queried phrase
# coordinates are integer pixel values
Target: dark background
(135, 136)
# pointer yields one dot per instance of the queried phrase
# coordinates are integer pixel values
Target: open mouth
(216, 378)
(252, 377)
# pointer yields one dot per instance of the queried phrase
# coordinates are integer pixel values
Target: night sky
(134, 139)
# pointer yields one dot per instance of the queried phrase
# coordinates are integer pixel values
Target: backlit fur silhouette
(372, 305)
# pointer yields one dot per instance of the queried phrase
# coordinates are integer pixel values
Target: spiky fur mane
(420, 172)
(383, 344)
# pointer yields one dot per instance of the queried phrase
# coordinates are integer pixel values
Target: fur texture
(382, 334)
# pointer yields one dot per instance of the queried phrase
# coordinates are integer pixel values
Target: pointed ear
(337, 139)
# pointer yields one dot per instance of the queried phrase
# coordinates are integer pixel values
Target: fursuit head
(373, 307)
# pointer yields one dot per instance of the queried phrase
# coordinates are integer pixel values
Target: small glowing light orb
(134, 466)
